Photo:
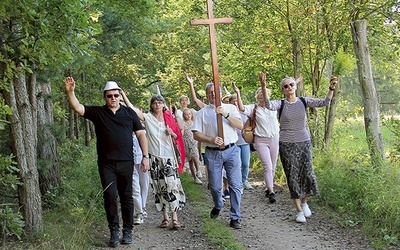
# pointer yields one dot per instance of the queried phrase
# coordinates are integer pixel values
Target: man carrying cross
(219, 135)
(220, 152)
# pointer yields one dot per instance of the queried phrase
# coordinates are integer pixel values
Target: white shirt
(266, 121)
(160, 143)
(206, 123)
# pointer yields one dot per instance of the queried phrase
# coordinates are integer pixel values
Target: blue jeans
(244, 151)
(216, 161)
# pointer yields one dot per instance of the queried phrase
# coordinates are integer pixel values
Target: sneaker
(227, 194)
(241, 189)
(271, 197)
(114, 239)
(235, 224)
(138, 219)
(144, 214)
(197, 180)
(247, 185)
(300, 217)
(306, 210)
(126, 237)
(199, 174)
(214, 213)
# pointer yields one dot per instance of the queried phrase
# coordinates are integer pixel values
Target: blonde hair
(259, 92)
(187, 110)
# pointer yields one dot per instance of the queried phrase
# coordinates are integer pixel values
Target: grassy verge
(217, 232)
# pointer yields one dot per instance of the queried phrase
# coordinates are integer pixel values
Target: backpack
(283, 104)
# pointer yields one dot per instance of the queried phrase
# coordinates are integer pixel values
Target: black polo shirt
(113, 131)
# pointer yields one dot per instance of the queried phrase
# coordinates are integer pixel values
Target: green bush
(11, 221)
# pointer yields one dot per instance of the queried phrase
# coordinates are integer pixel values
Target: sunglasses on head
(111, 96)
(287, 85)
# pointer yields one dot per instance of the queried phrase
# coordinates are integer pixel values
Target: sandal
(176, 224)
(164, 223)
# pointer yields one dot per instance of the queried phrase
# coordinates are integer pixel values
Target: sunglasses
(111, 96)
(287, 85)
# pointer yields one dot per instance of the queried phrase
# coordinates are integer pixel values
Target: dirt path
(265, 226)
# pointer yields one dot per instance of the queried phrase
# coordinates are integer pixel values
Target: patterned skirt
(166, 184)
(296, 158)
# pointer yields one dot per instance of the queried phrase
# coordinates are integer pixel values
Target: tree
(31, 35)
(371, 104)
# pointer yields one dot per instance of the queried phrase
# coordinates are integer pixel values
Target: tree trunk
(24, 146)
(48, 166)
(370, 98)
(330, 114)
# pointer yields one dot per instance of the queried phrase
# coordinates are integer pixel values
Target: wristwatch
(146, 156)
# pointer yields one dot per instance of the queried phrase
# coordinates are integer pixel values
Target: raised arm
(239, 98)
(129, 104)
(264, 86)
(198, 102)
(332, 85)
(73, 101)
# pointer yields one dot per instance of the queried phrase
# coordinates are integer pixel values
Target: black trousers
(116, 179)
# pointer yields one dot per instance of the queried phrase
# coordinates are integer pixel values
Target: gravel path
(265, 226)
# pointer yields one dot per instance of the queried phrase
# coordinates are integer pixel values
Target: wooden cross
(211, 21)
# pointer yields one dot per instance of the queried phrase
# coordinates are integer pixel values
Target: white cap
(111, 85)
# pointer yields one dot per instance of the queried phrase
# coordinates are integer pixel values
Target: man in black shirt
(114, 125)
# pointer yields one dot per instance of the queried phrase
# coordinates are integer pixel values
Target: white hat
(111, 85)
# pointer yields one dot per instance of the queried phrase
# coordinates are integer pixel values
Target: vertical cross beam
(211, 21)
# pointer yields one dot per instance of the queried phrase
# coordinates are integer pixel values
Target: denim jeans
(244, 151)
(230, 160)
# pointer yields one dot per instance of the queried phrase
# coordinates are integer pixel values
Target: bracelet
(330, 88)
(227, 116)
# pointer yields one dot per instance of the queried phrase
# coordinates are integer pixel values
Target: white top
(266, 121)
(206, 123)
(137, 151)
(241, 141)
(160, 143)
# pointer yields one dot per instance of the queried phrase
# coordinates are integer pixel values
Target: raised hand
(333, 82)
(69, 84)
(263, 80)
(188, 78)
(235, 88)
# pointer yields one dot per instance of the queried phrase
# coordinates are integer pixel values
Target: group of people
(131, 142)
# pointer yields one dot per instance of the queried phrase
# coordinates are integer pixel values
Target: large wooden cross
(211, 21)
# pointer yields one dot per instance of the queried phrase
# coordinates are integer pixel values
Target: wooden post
(211, 21)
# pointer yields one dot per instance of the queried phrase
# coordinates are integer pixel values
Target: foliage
(11, 221)
(358, 192)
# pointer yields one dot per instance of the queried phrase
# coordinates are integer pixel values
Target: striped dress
(295, 148)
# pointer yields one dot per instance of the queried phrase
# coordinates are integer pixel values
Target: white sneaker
(306, 210)
(300, 217)
(247, 185)
(144, 213)
(198, 181)
(138, 219)
(199, 174)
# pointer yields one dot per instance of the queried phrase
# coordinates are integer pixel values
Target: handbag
(249, 126)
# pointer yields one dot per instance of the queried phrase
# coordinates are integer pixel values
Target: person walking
(162, 132)
(266, 138)
(114, 125)
(140, 185)
(221, 152)
(191, 149)
(243, 146)
(295, 147)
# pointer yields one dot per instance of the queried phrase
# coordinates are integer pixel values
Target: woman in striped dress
(295, 148)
